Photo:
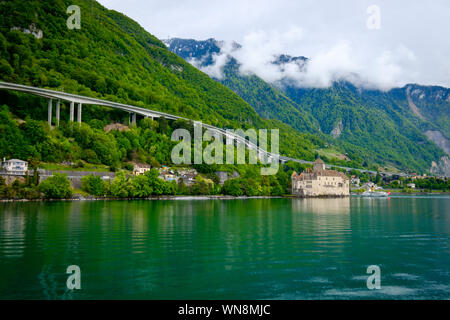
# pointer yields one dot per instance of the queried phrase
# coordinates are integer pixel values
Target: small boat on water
(371, 193)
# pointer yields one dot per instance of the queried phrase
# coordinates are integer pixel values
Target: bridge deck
(53, 94)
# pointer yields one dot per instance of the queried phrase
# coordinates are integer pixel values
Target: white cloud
(215, 70)
(381, 69)
(260, 48)
(410, 46)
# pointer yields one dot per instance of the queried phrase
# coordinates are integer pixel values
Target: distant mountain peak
(367, 123)
(285, 58)
(204, 49)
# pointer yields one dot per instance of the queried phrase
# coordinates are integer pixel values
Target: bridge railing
(53, 94)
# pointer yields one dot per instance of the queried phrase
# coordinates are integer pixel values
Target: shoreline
(207, 197)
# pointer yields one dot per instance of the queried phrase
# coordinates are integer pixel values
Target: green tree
(120, 187)
(93, 185)
(252, 188)
(141, 187)
(232, 187)
(156, 183)
(56, 187)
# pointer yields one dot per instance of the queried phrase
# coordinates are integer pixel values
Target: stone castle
(320, 182)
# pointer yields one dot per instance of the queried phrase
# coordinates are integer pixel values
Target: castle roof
(331, 173)
(319, 161)
(312, 175)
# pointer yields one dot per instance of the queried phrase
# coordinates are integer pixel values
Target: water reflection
(254, 248)
(12, 229)
(322, 216)
(322, 205)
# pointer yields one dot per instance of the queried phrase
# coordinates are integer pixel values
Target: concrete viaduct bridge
(133, 110)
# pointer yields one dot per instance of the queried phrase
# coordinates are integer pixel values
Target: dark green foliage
(93, 185)
(201, 188)
(18, 190)
(11, 137)
(56, 187)
(233, 188)
(378, 128)
(141, 186)
(141, 143)
(112, 57)
(270, 102)
(34, 140)
(251, 183)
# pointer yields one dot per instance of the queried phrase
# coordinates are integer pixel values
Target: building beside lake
(14, 166)
(140, 168)
(320, 182)
(355, 181)
(187, 176)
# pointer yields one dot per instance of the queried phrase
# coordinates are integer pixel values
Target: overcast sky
(407, 42)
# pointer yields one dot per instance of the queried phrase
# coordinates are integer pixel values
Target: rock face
(438, 138)
(224, 176)
(116, 126)
(337, 130)
(442, 168)
(32, 29)
(412, 105)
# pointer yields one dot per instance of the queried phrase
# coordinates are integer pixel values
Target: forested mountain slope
(374, 126)
(112, 57)
(379, 126)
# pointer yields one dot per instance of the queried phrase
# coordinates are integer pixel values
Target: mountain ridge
(343, 107)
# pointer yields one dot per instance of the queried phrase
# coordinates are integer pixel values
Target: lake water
(227, 249)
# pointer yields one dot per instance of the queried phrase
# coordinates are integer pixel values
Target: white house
(15, 166)
(140, 169)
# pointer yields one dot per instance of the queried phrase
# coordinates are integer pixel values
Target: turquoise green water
(227, 249)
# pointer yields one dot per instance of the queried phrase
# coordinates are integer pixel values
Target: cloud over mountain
(382, 69)
(409, 46)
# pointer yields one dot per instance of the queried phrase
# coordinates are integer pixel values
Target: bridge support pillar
(50, 107)
(58, 109)
(72, 107)
(133, 118)
(79, 113)
(262, 157)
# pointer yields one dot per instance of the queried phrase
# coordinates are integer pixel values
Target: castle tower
(319, 165)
